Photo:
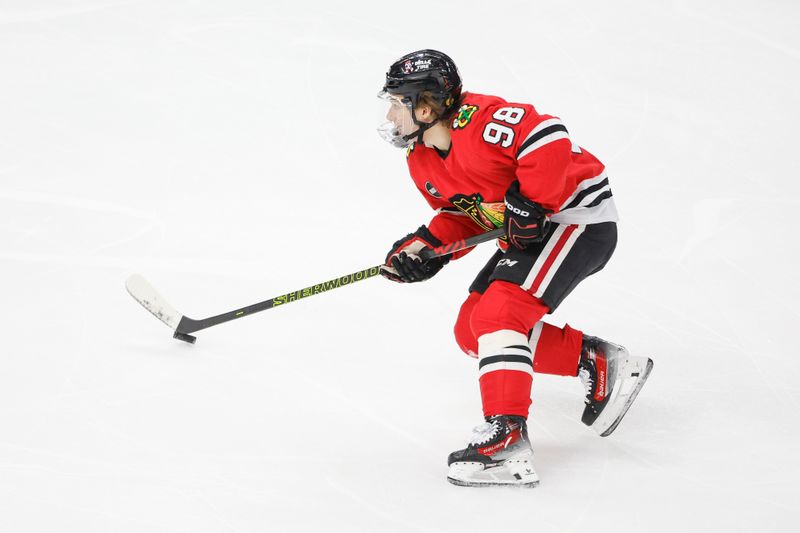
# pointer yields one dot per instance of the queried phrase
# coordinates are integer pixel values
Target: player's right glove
(403, 263)
(525, 221)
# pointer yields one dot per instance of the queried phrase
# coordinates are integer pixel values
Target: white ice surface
(226, 150)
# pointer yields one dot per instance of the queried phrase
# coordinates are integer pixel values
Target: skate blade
(636, 370)
(512, 473)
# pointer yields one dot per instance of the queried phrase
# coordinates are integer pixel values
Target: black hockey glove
(525, 221)
(403, 263)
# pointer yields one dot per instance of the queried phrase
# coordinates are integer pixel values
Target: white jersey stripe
(605, 211)
(542, 125)
(590, 197)
(585, 184)
(560, 259)
(555, 136)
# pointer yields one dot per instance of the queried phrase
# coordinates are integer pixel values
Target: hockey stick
(144, 293)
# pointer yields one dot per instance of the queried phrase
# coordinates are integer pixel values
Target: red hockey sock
(501, 321)
(505, 378)
(556, 351)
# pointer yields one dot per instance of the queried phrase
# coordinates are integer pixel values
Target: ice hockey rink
(227, 152)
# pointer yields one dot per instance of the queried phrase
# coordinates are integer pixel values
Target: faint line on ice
(75, 202)
(39, 15)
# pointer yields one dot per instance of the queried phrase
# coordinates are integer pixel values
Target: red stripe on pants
(552, 257)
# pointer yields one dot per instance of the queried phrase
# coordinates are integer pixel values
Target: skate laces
(586, 377)
(485, 432)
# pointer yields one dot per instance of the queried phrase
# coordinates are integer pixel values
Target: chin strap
(417, 135)
(423, 127)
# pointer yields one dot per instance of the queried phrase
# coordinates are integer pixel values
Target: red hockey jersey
(495, 142)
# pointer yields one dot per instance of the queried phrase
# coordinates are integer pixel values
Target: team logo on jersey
(488, 215)
(465, 113)
(432, 190)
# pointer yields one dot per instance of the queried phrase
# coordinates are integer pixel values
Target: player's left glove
(525, 221)
(403, 263)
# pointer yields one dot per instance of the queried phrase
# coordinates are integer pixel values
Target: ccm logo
(517, 210)
(506, 262)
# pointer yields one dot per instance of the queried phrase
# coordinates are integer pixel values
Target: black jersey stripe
(599, 199)
(504, 358)
(541, 135)
(586, 192)
(520, 347)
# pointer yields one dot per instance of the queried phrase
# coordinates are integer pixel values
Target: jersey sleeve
(538, 146)
(543, 152)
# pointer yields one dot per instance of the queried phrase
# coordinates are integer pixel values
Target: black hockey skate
(499, 453)
(612, 378)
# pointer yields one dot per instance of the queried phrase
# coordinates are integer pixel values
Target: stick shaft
(188, 325)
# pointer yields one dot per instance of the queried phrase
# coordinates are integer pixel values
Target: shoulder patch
(464, 115)
(432, 190)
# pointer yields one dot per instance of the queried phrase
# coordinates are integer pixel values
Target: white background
(226, 150)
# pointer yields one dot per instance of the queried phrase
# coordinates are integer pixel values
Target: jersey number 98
(495, 133)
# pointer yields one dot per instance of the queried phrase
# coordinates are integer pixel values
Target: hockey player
(484, 163)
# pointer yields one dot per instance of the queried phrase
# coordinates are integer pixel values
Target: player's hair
(426, 98)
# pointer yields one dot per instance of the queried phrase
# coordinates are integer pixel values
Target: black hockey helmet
(425, 70)
(421, 71)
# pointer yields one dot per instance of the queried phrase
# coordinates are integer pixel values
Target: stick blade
(144, 293)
